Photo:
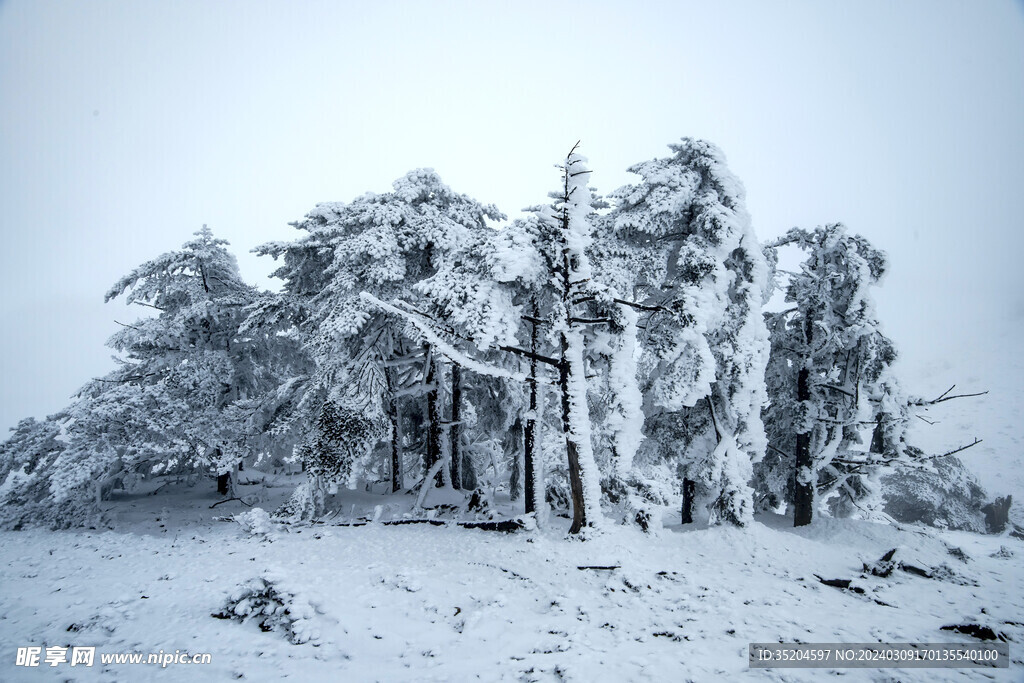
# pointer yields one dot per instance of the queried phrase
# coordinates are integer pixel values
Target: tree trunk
(396, 447)
(579, 515)
(456, 428)
(529, 446)
(515, 477)
(689, 490)
(223, 480)
(434, 418)
(803, 484)
(530, 432)
(877, 435)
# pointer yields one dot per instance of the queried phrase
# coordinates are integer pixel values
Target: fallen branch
(228, 500)
(943, 397)
(962, 448)
(507, 526)
(607, 568)
(975, 631)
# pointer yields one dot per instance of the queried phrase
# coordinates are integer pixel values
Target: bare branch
(143, 303)
(943, 397)
(958, 450)
(839, 389)
(641, 307)
(228, 500)
(782, 453)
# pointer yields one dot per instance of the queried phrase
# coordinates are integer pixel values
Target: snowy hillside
(977, 363)
(426, 603)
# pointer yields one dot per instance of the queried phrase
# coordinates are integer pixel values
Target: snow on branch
(447, 349)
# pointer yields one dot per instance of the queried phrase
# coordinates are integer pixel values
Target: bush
(275, 609)
(948, 497)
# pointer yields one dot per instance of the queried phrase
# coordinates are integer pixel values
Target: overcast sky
(124, 126)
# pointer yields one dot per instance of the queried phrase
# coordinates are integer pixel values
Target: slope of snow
(425, 603)
(977, 363)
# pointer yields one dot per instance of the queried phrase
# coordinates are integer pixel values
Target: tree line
(596, 357)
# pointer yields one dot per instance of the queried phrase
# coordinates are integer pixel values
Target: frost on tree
(527, 293)
(26, 461)
(186, 384)
(564, 242)
(681, 242)
(386, 246)
(836, 412)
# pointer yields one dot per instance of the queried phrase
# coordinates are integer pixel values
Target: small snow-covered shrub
(631, 500)
(556, 491)
(305, 503)
(76, 510)
(256, 522)
(273, 607)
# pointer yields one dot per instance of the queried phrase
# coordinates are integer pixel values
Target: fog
(125, 126)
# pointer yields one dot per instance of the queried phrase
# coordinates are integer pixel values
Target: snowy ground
(405, 603)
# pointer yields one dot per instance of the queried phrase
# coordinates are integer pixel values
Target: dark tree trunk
(396, 448)
(456, 428)
(803, 483)
(515, 471)
(529, 446)
(878, 436)
(530, 432)
(579, 513)
(223, 480)
(434, 418)
(689, 491)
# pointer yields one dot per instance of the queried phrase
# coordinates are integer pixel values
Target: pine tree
(26, 459)
(681, 243)
(187, 380)
(388, 246)
(188, 367)
(829, 377)
(542, 263)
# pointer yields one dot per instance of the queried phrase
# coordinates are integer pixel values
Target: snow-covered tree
(26, 461)
(540, 265)
(187, 367)
(486, 299)
(829, 378)
(385, 245)
(681, 243)
(184, 391)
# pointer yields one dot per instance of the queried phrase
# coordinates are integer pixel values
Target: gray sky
(124, 126)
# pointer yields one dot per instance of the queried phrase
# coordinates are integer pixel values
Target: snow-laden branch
(447, 349)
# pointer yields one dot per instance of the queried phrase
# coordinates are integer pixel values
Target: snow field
(426, 603)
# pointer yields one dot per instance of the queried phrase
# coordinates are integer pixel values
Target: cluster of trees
(598, 356)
